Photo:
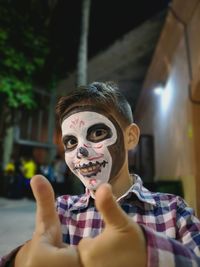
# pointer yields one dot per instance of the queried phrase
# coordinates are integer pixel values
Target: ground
(17, 221)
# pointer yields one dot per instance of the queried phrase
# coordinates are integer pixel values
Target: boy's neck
(121, 184)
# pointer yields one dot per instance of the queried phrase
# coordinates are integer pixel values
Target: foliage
(23, 49)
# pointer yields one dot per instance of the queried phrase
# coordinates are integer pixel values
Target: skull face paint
(87, 136)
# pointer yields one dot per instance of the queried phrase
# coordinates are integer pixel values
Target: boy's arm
(185, 251)
(125, 243)
(163, 251)
(8, 260)
(46, 247)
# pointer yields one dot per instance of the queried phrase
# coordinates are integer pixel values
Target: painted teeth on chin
(91, 166)
(93, 173)
(90, 169)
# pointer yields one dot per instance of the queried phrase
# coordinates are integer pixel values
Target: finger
(85, 244)
(112, 213)
(46, 215)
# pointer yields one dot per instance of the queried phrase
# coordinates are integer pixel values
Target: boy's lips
(90, 169)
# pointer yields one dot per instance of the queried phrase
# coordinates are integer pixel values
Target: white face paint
(86, 137)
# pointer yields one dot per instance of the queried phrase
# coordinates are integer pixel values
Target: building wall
(171, 117)
(195, 88)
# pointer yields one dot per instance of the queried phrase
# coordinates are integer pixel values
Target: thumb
(112, 213)
(46, 215)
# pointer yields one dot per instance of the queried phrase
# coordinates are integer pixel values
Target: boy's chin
(94, 186)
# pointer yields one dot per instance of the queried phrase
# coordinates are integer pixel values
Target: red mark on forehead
(76, 123)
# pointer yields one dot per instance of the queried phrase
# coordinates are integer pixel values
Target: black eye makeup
(98, 132)
(70, 142)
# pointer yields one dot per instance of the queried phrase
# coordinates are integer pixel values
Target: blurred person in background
(47, 169)
(61, 175)
(13, 178)
(29, 168)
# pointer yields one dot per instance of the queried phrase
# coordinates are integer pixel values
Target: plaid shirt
(172, 231)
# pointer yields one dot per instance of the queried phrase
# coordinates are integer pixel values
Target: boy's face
(94, 147)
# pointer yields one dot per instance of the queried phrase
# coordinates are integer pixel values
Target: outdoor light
(159, 89)
(165, 93)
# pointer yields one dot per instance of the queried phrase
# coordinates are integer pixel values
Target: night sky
(109, 20)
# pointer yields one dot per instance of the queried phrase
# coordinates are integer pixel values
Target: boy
(156, 230)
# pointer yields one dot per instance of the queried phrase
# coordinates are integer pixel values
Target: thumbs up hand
(122, 242)
(46, 248)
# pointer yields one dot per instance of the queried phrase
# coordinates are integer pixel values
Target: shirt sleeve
(163, 251)
(7, 260)
(183, 251)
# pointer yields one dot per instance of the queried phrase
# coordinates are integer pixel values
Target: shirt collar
(137, 189)
(142, 193)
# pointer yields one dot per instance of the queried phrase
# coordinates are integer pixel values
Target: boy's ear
(132, 134)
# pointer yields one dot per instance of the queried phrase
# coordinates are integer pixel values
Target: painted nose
(82, 152)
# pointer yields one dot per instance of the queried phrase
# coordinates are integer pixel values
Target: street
(17, 221)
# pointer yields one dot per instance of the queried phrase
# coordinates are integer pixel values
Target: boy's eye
(70, 142)
(97, 133)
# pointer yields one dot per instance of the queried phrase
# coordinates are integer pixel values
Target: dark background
(109, 20)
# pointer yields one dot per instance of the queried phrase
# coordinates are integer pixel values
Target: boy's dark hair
(103, 95)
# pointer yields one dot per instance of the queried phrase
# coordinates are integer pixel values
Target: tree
(23, 49)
